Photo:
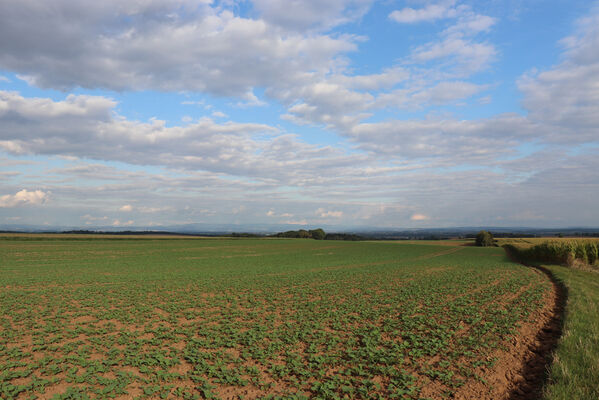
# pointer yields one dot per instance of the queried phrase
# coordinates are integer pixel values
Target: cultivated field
(255, 318)
(529, 242)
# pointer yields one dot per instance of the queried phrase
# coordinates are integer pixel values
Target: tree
(317, 234)
(484, 239)
(303, 234)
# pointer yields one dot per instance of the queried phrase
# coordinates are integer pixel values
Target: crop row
(254, 318)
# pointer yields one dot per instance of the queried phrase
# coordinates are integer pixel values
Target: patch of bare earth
(521, 367)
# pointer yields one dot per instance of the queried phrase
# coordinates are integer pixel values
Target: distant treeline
(317, 234)
(571, 252)
(125, 233)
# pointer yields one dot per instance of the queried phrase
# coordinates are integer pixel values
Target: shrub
(484, 239)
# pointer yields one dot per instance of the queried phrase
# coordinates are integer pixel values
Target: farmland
(254, 318)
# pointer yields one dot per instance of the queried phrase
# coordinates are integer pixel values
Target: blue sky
(346, 113)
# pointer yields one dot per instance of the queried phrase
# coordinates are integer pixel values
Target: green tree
(304, 234)
(317, 234)
(484, 239)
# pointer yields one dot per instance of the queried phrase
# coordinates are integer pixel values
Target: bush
(484, 239)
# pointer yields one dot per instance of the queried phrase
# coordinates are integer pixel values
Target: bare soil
(521, 369)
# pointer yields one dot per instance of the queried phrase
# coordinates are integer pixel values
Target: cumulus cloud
(304, 70)
(153, 210)
(431, 12)
(87, 126)
(447, 141)
(126, 208)
(458, 50)
(154, 45)
(219, 114)
(566, 97)
(272, 213)
(322, 213)
(562, 104)
(117, 222)
(419, 217)
(301, 222)
(442, 93)
(310, 14)
(431, 75)
(23, 197)
(90, 218)
(210, 168)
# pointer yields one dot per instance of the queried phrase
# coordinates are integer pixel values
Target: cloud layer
(404, 149)
(162, 44)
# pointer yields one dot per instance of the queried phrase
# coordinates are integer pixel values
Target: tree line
(317, 234)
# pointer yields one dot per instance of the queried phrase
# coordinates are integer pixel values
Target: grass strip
(574, 373)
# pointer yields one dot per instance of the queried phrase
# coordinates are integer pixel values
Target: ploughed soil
(522, 368)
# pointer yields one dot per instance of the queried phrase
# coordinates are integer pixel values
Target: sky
(345, 113)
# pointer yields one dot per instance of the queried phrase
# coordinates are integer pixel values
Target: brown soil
(437, 254)
(521, 369)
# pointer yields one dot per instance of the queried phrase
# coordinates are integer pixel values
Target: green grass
(201, 318)
(575, 370)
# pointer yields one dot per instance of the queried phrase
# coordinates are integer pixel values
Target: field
(529, 242)
(579, 253)
(253, 318)
(574, 372)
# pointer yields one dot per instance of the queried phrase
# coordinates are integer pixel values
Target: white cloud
(566, 97)
(4, 79)
(458, 48)
(153, 210)
(443, 93)
(23, 197)
(117, 222)
(446, 140)
(466, 53)
(91, 218)
(302, 222)
(386, 79)
(322, 213)
(419, 217)
(87, 127)
(431, 12)
(126, 208)
(193, 103)
(154, 45)
(210, 168)
(310, 14)
(470, 24)
(238, 210)
(219, 114)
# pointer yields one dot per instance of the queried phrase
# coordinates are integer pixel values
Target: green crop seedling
(247, 319)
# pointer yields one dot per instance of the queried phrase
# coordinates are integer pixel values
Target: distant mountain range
(263, 229)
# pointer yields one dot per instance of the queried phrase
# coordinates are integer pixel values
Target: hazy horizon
(345, 113)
